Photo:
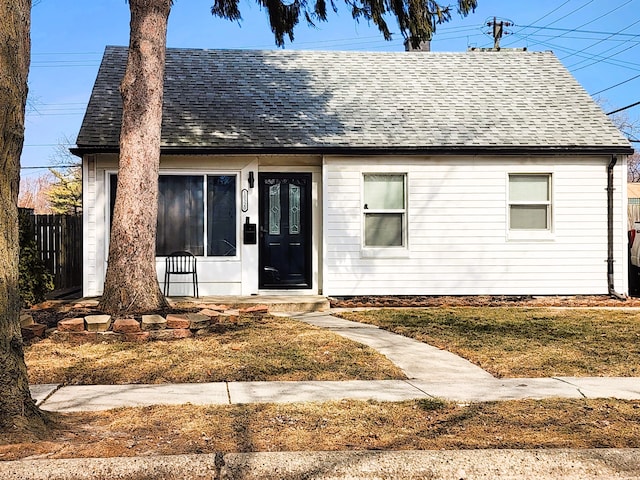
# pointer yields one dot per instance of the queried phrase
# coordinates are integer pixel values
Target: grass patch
(344, 425)
(260, 350)
(524, 342)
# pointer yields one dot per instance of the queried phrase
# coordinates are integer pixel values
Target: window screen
(530, 201)
(384, 210)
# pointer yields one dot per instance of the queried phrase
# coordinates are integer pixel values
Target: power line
(604, 39)
(541, 18)
(594, 32)
(599, 18)
(616, 85)
(42, 167)
(624, 108)
(48, 145)
(617, 63)
(565, 16)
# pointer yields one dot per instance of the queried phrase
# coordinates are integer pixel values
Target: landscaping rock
(26, 320)
(86, 304)
(170, 334)
(255, 310)
(198, 321)
(181, 333)
(153, 322)
(32, 331)
(71, 325)
(110, 337)
(126, 325)
(212, 314)
(139, 337)
(98, 323)
(166, 334)
(231, 316)
(177, 321)
(213, 306)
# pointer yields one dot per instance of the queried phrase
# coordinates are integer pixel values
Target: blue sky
(597, 40)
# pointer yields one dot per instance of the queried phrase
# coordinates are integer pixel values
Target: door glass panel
(274, 209)
(294, 210)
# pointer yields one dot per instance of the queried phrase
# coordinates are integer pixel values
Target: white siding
(89, 241)
(458, 241)
(216, 275)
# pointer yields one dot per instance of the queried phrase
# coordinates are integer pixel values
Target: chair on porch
(181, 263)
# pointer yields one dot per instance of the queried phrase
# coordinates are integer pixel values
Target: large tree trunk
(17, 410)
(131, 284)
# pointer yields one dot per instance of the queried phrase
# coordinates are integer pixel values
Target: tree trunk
(18, 411)
(131, 284)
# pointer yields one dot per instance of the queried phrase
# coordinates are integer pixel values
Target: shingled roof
(323, 102)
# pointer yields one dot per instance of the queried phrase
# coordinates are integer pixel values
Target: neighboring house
(633, 211)
(372, 174)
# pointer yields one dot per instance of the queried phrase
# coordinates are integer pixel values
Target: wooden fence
(59, 241)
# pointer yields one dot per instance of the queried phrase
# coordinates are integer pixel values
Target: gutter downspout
(610, 260)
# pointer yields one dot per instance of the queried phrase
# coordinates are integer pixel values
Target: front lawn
(260, 349)
(524, 342)
(343, 425)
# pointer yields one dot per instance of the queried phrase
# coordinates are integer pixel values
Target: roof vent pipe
(610, 260)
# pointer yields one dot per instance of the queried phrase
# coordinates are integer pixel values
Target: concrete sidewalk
(362, 465)
(431, 372)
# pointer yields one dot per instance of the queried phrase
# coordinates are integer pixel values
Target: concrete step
(276, 303)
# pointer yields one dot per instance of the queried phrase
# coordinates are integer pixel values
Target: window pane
(294, 209)
(528, 188)
(528, 217)
(180, 214)
(383, 230)
(221, 212)
(274, 209)
(383, 192)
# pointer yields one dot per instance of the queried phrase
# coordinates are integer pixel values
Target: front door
(285, 230)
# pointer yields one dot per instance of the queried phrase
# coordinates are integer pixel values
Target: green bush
(34, 279)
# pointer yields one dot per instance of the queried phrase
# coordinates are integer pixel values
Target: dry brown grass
(524, 342)
(344, 425)
(261, 349)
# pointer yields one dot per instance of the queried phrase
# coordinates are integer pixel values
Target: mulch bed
(483, 301)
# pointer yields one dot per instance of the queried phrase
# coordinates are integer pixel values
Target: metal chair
(181, 263)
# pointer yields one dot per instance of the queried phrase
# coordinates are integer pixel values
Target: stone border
(102, 328)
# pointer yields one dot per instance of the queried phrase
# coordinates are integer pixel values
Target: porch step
(276, 303)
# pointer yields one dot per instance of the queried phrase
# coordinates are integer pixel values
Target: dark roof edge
(507, 150)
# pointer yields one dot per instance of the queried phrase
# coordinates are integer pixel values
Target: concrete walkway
(431, 372)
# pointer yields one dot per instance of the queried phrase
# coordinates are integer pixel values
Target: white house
(408, 173)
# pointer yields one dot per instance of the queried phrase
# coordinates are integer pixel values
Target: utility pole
(498, 31)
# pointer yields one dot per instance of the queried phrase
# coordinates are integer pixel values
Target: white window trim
(531, 235)
(385, 252)
(172, 172)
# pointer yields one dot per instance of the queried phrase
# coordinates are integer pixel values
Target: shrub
(34, 279)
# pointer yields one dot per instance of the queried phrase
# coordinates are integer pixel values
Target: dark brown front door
(285, 230)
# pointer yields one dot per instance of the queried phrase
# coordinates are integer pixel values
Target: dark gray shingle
(310, 100)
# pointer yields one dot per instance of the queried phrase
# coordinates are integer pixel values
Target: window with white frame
(530, 201)
(182, 203)
(384, 210)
